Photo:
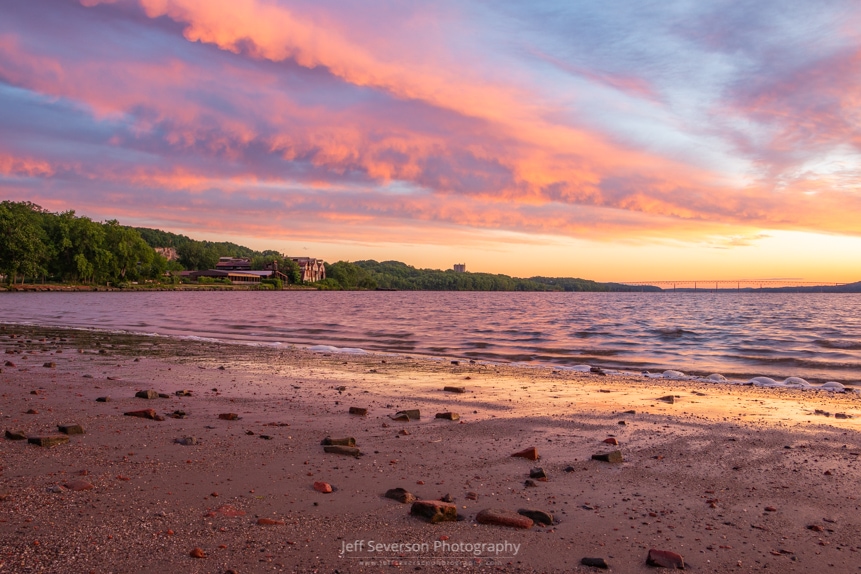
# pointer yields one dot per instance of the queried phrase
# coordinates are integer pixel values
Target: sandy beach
(731, 478)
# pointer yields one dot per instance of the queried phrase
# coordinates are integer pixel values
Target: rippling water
(814, 336)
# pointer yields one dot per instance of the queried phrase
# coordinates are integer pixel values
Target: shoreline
(667, 374)
(732, 478)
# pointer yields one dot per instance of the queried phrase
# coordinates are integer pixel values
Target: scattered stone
(79, 485)
(9, 364)
(323, 487)
(197, 553)
(145, 414)
(345, 450)
(595, 563)
(529, 483)
(770, 509)
(187, 441)
(454, 389)
(183, 393)
(537, 516)
(50, 365)
(612, 440)
(348, 441)
(269, 522)
(31, 412)
(228, 416)
(70, 429)
(815, 527)
(358, 411)
(472, 496)
(448, 416)
(622, 423)
(569, 469)
(177, 415)
(146, 394)
(503, 518)
(434, 511)
(401, 495)
(597, 371)
(630, 412)
(226, 510)
(455, 363)
(613, 456)
(103, 400)
(404, 432)
(842, 416)
(411, 414)
(530, 453)
(538, 474)
(400, 418)
(163, 396)
(447, 498)
(668, 399)
(48, 441)
(665, 559)
(15, 435)
(821, 412)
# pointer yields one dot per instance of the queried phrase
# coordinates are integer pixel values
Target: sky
(633, 140)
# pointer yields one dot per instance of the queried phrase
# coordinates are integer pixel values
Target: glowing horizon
(618, 143)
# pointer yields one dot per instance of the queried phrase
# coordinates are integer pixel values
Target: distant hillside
(370, 274)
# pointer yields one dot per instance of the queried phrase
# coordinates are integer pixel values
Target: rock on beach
(503, 518)
(434, 511)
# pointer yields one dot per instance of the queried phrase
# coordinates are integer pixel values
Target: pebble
(70, 429)
(269, 522)
(530, 453)
(537, 516)
(347, 441)
(48, 441)
(448, 416)
(595, 563)
(538, 474)
(323, 487)
(411, 414)
(79, 485)
(665, 559)
(434, 511)
(146, 394)
(228, 416)
(611, 440)
(668, 399)
(197, 553)
(16, 435)
(454, 389)
(103, 400)
(503, 518)
(612, 457)
(401, 495)
(361, 411)
(145, 414)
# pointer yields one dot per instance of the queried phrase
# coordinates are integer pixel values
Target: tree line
(38, 245)
(402, 277)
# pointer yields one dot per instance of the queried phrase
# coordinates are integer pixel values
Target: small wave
(672, 333)
(673, 375)
(341, 350)
(839, 344)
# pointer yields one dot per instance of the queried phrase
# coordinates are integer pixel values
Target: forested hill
(372, 274)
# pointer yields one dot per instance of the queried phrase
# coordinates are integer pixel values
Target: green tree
(24, 245)
(350, 276)
(129, 252)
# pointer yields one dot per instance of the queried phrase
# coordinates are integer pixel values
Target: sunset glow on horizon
(625, 142)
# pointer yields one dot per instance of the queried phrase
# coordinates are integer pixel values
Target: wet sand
(733, 478)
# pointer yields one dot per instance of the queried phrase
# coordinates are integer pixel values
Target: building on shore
(460, 267)
(313, 270)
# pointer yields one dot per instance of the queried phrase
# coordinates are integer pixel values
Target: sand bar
(732, 478)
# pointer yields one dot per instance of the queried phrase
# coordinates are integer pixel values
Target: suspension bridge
(732, 284)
